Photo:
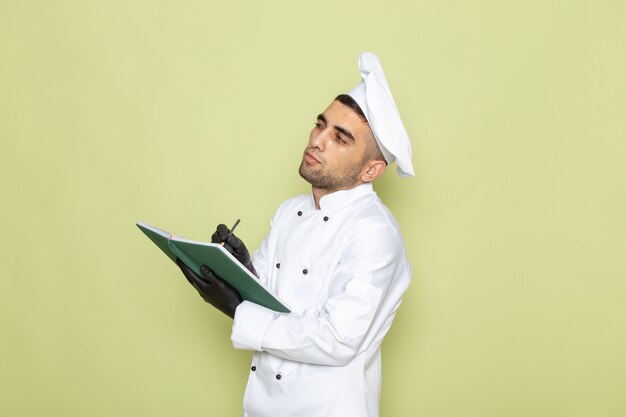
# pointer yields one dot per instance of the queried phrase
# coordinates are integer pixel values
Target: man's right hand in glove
(213, 289)
(234, 245)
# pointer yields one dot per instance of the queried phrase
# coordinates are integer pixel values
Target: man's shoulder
(372, 229)
(374, 211)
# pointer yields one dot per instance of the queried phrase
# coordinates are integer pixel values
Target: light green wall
(189, 113)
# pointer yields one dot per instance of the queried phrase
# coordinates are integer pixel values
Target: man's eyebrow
(345, 132)
(341, 130)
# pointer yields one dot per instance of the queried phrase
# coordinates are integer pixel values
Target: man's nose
(318, 140)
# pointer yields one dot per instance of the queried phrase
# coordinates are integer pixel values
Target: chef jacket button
(325, 218)
(278, 265)
(253, 368)
(278, 376)
(299, 213)
(305, 271)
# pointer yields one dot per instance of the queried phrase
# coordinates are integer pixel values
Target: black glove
(213, 289)
(234, 245)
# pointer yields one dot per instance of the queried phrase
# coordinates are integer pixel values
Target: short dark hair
(348, 101)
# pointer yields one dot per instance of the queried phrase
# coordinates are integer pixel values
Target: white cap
(374, 98)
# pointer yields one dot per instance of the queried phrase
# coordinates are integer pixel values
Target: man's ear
(372, 170)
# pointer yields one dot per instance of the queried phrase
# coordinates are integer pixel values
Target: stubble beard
(344, 178)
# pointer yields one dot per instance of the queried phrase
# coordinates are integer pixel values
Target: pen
(232, 229)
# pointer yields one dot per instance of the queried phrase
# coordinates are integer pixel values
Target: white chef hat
(374, 98)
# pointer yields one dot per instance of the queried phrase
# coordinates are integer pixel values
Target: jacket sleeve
(259, 260)
(364, 293)
(260, 256)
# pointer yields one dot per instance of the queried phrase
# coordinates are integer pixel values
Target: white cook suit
(342, 270)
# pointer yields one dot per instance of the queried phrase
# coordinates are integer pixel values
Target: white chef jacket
(342, 270)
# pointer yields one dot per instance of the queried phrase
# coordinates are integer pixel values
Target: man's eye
(340, 139)
(318, 125)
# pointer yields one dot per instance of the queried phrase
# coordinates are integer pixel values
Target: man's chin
(304, 172)
(309, 175)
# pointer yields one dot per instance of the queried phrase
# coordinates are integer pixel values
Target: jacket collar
(341, 198)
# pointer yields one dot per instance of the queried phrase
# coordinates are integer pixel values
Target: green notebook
(194, 254)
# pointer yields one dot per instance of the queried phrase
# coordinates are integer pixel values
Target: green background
(190, 113)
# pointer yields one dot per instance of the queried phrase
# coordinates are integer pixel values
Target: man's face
(335, 155)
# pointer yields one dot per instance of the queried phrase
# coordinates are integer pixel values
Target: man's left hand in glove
(213, 289)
